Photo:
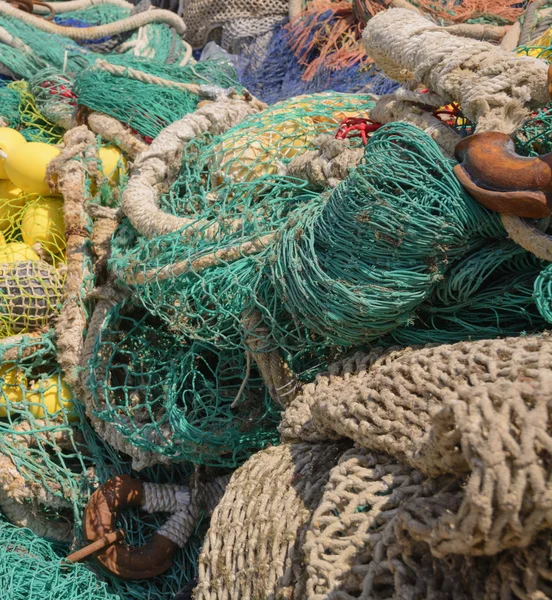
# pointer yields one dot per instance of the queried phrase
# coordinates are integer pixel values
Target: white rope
(179, 527)
(94, 33)
(165, 498)
(495, 88)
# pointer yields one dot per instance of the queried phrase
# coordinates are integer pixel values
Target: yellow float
(12, 201)
(113, 163)
(45, 395)
(25, 166)
(9, 140)
(43, 223)
(17, 252)
(12, 382)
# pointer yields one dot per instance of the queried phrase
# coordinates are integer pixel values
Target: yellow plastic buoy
(12, 200)
(26, 165)
(45, 395)
(9, 140)
(43, 223)
(113, 163)
(17, 252)
(12, 381)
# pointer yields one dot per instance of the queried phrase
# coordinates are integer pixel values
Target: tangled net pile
(282, 346)
(444, 493)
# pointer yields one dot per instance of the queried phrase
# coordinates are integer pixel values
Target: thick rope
(119, 71)
(496, 89)
(528, 237)
(69, 171)
(511, 40)
(529, 21)
(295, 9)
(393, 108)
(113, 131)
(93, 33)
(156, 168)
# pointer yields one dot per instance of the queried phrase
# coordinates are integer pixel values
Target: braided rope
(528, 237)
(100, 31)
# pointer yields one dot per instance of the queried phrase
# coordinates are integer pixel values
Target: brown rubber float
(100, 522)
(502, 180)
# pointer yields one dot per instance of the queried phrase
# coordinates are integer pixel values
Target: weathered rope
(100, 31)
(528, 237)
(69, 171)
(156, 168)
(113, 131)
(131, 73)
(496, 89)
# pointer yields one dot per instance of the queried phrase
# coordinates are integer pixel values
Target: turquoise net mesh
(178, 399)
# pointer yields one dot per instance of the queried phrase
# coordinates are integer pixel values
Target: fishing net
(475, 528)
(487, 294)
(31, 569)
(533, 138)
(230, 19)
(189, 402)
(9, 106)
(229, 192)
(429, 263)
(156, 102)
(404, 218)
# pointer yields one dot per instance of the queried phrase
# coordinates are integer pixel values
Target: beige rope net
(446, 493)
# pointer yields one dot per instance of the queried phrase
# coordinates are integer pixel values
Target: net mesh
(51, 461)
(233, 191)
(30, 567)
(188, 402)
(153, 107)
(391, 249)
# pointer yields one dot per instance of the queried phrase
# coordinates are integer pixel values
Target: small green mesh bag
(189, 402)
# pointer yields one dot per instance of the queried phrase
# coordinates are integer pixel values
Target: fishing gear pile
(294, 349)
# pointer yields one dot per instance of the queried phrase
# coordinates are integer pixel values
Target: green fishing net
(343, 268)
(233, 189)
(9, 106)
(534, 137)
(487, 294)
(51, 460)
(148, 107)
(31, 569)
(186, 401)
